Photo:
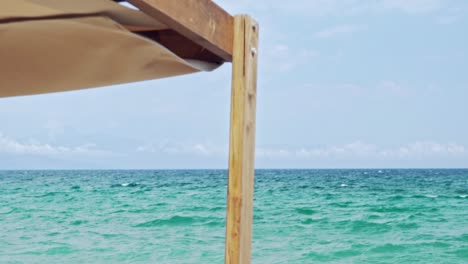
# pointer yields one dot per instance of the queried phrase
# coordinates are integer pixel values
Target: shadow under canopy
(51, 46)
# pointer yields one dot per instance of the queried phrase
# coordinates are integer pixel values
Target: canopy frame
(234, 39)
(201, 21)
(184, 30)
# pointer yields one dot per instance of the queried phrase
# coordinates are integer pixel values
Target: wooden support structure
(102, 49)
(231, 39)
(239, 216)
(181, 45)
(201, 21)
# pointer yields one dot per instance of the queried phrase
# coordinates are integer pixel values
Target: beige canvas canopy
(58, 45)
(62, 45)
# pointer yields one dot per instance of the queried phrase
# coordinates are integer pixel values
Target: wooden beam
(242, 142)
(180, 45)
(202, 21)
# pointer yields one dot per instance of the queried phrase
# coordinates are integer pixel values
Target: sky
(342, 84)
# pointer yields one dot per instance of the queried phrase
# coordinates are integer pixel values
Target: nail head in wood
(254, 52)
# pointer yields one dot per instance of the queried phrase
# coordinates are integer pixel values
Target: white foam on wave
(343, 185)
(125, 184)
(432, 196)
(463, 196)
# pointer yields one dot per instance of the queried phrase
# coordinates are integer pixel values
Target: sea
(178, 216)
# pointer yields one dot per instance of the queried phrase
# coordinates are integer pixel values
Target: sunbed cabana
(61, 45)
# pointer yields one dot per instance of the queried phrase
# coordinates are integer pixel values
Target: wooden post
(242, 142)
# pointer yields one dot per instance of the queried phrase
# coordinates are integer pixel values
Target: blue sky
(342, 83)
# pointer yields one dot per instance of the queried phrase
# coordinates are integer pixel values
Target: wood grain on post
(239, 217)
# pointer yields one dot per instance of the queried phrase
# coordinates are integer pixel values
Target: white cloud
(11, 146)
(336, 7)
(425, 149)
(273, 153)
(280, 48)
(394, 88)
(283, 58)
(447, 20)
(339, 31)
(451, 16)
(358, 149)
(354, 150)
(183, 148)
(54, 129)
(413, 6)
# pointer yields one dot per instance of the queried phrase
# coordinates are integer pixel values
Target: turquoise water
(301, 216)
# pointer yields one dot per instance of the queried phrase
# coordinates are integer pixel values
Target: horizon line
(181, 169)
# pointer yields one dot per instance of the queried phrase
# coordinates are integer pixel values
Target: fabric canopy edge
(122, 56)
